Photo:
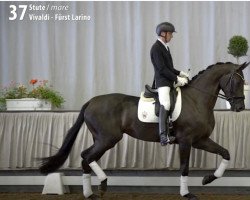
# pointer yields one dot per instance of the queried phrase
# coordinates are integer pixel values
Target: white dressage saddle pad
(146, 109)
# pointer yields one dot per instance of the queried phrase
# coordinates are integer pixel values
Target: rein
(222, 96)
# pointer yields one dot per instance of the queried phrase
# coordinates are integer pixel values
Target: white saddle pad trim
(146, 109)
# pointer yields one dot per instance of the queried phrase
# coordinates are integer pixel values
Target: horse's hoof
(93, 197)
(208, 179)
(103, 187)
(190, 196)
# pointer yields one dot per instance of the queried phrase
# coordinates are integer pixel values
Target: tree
(238, 47)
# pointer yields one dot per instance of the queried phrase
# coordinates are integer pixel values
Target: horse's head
(233, 86)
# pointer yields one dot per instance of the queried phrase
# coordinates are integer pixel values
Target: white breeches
(164, 96)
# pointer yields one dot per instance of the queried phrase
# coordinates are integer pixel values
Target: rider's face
(167, 36)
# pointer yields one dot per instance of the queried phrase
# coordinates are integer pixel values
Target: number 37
(13, 12)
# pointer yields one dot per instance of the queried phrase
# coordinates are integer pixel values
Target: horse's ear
(243, 66)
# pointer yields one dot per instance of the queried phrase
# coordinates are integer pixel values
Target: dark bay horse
(109, 116)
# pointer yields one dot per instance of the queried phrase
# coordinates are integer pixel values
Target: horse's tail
(52, 163)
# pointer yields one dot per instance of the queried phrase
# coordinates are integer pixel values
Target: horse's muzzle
(238, 107)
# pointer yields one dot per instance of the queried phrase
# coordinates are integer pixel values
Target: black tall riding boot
(163, 127)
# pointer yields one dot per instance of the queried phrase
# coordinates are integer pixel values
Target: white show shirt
(164, 44)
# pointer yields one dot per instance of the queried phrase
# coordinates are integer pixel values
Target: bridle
(231, 98)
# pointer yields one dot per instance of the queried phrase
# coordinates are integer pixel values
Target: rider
(165, 76)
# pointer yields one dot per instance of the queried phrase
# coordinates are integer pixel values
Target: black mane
(209, 67)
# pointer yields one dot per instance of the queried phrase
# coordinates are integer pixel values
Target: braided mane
(209, 67)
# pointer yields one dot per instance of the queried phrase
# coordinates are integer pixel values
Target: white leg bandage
(87, 190)
(98, 171)
(221, 169)
(184, 185)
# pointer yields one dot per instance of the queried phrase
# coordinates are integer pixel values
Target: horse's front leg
(184, 149)
(212, 147)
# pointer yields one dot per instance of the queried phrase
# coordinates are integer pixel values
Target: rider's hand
(184, 74)
(181, 81)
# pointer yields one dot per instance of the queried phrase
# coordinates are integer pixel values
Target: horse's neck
(208, 87)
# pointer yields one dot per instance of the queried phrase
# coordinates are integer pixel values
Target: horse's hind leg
(90, 156)
(184, 149)
(212, 147)
(87, 188)
(86, 177)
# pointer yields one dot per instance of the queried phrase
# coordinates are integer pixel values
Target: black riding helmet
(165, 27)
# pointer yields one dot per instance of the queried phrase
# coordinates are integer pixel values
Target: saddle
(153, 93)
